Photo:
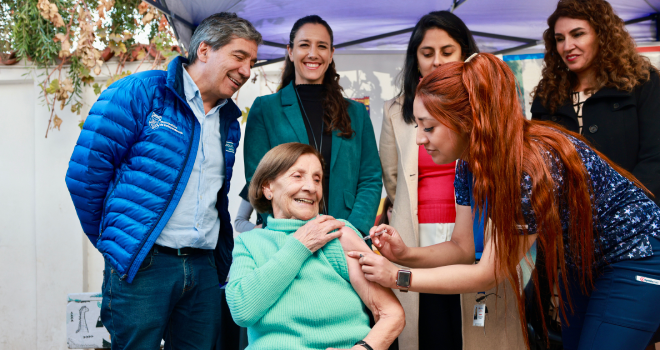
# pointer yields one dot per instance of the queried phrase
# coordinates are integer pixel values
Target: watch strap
(364, 344)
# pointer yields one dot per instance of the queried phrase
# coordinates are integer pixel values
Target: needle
(380, 233)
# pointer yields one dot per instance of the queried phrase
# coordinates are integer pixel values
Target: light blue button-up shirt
(195, 222)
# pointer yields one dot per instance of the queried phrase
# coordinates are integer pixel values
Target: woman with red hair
(592, 219)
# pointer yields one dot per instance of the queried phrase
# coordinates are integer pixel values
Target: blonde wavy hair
(619, 64)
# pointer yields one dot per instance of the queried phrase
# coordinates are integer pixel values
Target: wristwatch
(403, 278)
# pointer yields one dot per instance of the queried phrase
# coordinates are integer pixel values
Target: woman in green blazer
(309, 108)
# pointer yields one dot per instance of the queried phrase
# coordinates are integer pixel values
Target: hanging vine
(69, 41)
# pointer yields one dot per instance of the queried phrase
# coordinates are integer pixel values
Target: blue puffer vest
(132, 161)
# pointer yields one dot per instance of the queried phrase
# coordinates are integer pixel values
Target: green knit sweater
(289, 298)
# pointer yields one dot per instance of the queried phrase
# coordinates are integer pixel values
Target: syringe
(379, 233)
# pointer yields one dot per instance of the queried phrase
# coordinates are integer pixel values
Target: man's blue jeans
(175, 298)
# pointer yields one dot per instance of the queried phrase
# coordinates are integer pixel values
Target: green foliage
(164, 43)
(80, 76)
(46, 32)
(53, 87)
(76, 107)
(6, 39)
(97, 88)
(33, 35)
(116, 77)
(124, 17)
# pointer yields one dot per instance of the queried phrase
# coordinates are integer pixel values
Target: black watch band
(364, 343)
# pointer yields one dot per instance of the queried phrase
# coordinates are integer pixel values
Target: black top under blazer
(624, 126)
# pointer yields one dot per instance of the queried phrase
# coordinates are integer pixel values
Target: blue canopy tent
(385, 25)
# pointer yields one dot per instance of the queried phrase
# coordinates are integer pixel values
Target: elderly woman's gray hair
(278, 160)
(218, 30)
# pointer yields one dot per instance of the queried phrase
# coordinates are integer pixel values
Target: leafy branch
(74, 38)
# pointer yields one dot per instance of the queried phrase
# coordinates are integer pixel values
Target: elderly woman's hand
(316, 233)
(376, 268)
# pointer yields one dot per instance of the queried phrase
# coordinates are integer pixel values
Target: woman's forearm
(442, 254)
(242, 225)
(242, 222)
(458, 279)
(386, 308)
(459, 250)
(390, 320)
(453, 279)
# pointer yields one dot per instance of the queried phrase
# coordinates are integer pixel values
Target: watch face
(403, 279)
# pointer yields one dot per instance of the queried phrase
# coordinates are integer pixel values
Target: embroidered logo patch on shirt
(156, 121)
(229, 147)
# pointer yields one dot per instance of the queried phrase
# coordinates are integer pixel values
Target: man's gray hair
(218, 30)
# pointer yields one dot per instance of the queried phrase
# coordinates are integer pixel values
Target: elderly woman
(291, 284)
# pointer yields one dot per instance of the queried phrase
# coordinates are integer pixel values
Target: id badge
(479, 315)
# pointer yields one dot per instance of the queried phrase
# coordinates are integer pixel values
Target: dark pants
(440, 322)
(230, 336)
(176, 298)
(621, 312)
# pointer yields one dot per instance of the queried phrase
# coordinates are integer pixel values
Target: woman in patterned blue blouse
(593, 220)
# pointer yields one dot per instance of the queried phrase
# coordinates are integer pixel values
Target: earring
(268, 197)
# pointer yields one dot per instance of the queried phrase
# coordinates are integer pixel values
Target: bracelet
(364, 343)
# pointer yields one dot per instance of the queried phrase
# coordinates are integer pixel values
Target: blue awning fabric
(358, 19)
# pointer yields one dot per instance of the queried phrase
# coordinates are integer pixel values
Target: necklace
(318, 146)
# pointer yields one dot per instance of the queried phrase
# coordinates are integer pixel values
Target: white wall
(18, 290)
(40, 237)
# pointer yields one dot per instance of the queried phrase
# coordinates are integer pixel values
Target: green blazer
(355, 172)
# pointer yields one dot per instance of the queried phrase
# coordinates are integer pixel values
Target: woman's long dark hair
(410, 74)
(335, 107)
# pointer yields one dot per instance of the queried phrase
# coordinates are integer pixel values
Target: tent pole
(503, 37)
(273, 44)
(516, 48)
(641, 19)
(375, 37)
(263, 63)
(455, 4)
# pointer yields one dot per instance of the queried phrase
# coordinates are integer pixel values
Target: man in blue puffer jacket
(149, 178)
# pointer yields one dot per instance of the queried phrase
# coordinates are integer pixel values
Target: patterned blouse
(625, 215)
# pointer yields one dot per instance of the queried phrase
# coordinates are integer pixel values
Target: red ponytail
(478, 99)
